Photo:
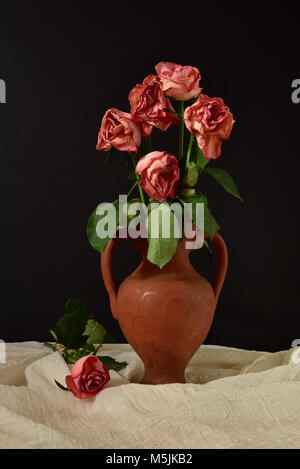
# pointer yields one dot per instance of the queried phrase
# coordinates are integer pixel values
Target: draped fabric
(232, 399)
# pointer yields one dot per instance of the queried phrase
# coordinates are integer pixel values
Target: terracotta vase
(165, 314)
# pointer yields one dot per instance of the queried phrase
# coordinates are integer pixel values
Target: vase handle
(222, 263)
(108, 274)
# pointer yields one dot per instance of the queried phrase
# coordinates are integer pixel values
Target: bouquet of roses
(171, 97)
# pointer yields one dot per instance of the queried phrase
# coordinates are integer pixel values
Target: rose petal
(160, 174)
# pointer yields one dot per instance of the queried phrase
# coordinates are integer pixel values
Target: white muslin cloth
(233, 399)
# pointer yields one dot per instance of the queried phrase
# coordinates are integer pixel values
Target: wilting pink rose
(179, 82)
(88, 376)
(160, 174)
(119, 130)
(210, 120)
(148, 104)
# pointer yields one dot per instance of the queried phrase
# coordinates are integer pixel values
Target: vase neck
(179, 263)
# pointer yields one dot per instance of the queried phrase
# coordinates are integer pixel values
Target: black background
(64, 65)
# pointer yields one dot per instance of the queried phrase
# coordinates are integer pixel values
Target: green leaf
(226, 181)
(197, 157)
(161, 249)
(73, 304)
(192, 174)
(95, 332)
(46, 344)
(70, 326)
(99, 243)
(52, 332)
(210, 224)
(89, 347)
(60, 386)
(111, 363)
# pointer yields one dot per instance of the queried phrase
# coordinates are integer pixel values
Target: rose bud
(119, 130)
(88, 376)
(179, 82)
(148, 104)
(160, 173)
(210, 120)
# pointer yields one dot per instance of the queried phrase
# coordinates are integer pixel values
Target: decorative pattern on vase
(165, 314)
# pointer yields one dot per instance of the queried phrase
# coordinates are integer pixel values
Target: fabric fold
(232, 399)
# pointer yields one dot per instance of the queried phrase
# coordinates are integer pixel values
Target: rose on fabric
(119, 130)
(210, 120)
(160, 173)
(179, 82)
(88, 376)
(148, 104)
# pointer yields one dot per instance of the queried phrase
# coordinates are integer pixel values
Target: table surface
(232, 399)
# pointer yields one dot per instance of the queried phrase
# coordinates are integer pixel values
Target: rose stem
(189, 150)
(132, 189)
(98, 348)
(133, 158)
(149, 144)
(181, 128)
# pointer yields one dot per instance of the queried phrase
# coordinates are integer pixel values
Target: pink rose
(88, 376)
(160, 174)
(211, 121)
(119, 130)
(148, 104)
(179, 82)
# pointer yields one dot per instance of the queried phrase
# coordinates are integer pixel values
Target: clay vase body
(165, 314)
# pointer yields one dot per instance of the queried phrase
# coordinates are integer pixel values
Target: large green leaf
(210, 224)
(96, 242)
(70, 327)
(95, 332)
(161, 249)
(226, 181)
(75, 305)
